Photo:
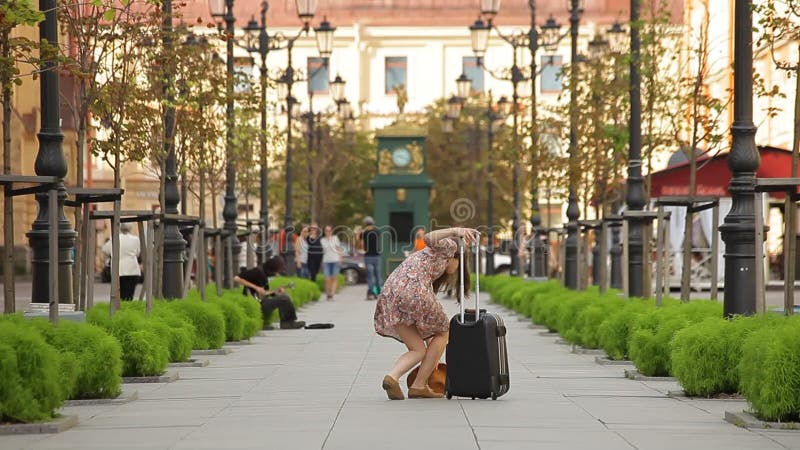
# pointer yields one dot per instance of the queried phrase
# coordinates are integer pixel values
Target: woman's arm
(434, 238)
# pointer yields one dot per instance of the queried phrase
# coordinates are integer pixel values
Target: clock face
(401, 157)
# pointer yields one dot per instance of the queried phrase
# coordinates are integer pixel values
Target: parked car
(502, 261)
(353, 267)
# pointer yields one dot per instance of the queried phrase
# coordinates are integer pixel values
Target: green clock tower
(401, 191)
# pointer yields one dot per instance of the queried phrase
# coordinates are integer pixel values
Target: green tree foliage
(458, 163)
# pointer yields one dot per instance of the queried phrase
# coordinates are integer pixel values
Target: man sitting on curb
(256, 283)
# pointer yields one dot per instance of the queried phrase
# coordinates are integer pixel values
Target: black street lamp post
(493, 121)
(229, 209)
(258, 42)
(324, 35)
(573, 212)
(738, 230)
(262, 45)
(635, 197)
(174, 244)
(480, 35)
(537, 248)
(50, 161)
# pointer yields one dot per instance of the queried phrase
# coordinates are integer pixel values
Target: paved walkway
(312, 389)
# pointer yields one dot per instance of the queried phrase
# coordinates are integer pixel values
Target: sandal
(425, 392)
(392, 388)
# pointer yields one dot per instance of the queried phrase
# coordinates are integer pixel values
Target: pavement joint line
(761, 433)
(601, 421)
(349, 391)
(612, 396)
(550, 377)
(124, 427)
(187, 398)
(471, 427)
(221, 379)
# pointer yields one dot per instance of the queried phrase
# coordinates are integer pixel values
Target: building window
(473, 71)
(243, 75)
(551, 74)
(317, 75)
(396, 68)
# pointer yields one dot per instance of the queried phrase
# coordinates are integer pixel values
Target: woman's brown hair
(447, 281)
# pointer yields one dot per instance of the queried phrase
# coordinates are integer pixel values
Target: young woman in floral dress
(407, 308)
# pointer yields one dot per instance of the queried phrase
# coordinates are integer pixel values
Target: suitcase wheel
(473, 398)
(448, 395)
(494, 396)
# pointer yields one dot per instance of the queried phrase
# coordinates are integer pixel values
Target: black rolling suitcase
(477, 361)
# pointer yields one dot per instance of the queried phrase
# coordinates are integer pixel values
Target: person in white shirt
(129, 269)
(301, 254)
(331, 260)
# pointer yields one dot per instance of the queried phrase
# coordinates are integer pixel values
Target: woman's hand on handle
(470, 235)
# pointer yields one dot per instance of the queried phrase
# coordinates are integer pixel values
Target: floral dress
(407, 296)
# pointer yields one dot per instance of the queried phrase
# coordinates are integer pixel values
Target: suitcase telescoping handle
(461, 276)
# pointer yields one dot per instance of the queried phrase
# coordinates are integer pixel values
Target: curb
(56, 425)
(746, 420)
(242, 342)
(119, 400)
(562, 342)
(635, 375)
(213, 351)
(578, 350)
(682, 394)
(190, 363)
(605, 361)
(536, 326)
(166, 377)
(548, 334)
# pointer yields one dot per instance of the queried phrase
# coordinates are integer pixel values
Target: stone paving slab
(320, 389)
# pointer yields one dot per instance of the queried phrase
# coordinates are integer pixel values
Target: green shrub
(566, 314)
(253, 321)
(588, 321)
(546, 308)
(98, 357)
(304, 291)
(234, 318)
(649, 344)
(145, 350)
(31, 384)
(207, 319)
(769, 371)
(99, 315)
(705, 355)
(614, 332)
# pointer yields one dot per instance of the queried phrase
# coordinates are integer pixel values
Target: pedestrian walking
(331, 260)
(314, 243)
(129, 268)
(370, 240)
(301, 253)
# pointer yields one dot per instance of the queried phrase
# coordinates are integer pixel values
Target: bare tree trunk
(790, 247)
(689, 223)
(8, 210)
(80, 247)
(115, 300)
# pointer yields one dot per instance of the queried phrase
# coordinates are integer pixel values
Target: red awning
(714, 176)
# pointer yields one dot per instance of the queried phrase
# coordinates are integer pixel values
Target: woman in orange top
(419, 242)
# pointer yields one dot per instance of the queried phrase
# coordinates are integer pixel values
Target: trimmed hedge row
(758, 356)
(42, 366)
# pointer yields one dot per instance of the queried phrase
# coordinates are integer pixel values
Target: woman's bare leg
(416, 350)
(433, 354)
